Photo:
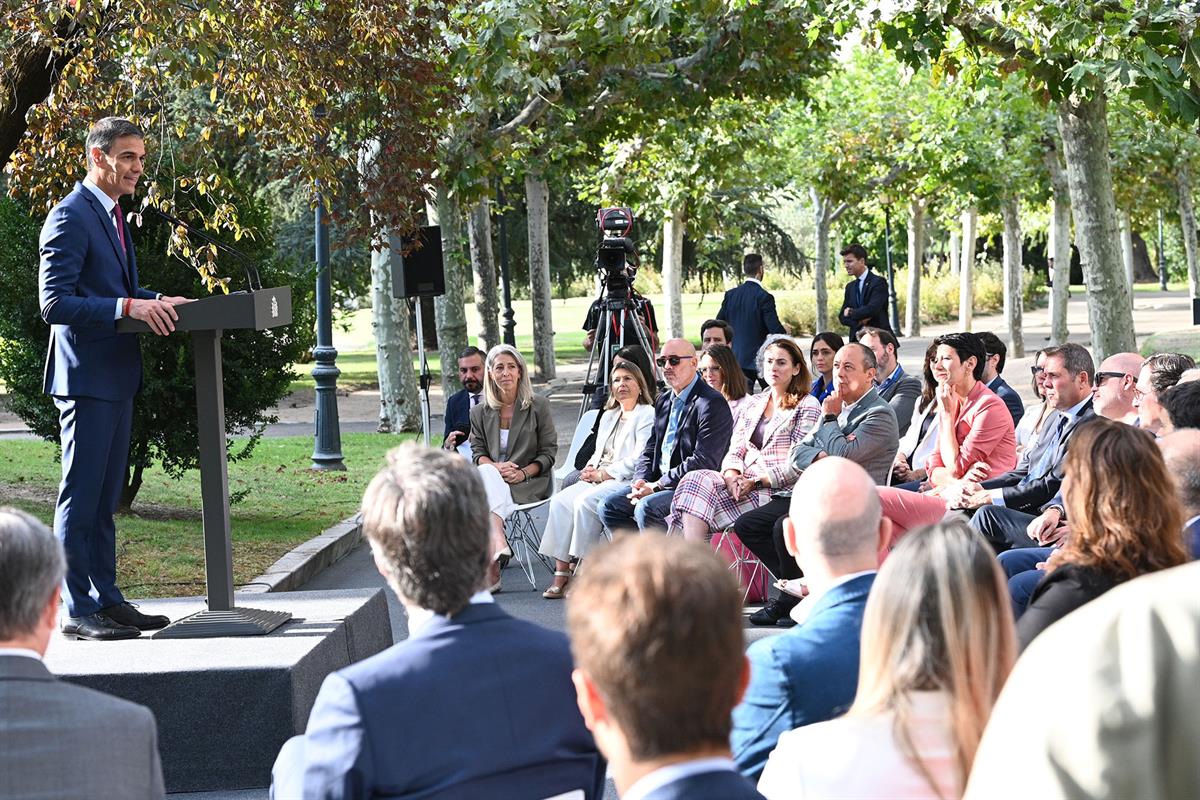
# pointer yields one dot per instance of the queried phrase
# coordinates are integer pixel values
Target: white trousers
(574, 526)
(499, 495)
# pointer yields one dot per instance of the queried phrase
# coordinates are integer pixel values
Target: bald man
(834, 530)
(1112, 391)
(692, 428)
(1181, 452)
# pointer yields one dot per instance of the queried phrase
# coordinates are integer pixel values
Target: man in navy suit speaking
(86, 282)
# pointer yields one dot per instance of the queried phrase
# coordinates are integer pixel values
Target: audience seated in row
(937, 645)
(897, 387)
(995, 354)
(634, 354)
(59, 741)
(1031, 424)
(921, 438)
(474, 703)
(720, 370)
(1159, 373)
(824, 347)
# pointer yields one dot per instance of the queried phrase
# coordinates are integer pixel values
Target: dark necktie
(120, 227)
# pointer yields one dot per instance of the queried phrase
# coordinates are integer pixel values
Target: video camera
(616, 256)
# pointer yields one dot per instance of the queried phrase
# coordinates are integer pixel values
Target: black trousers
(761, 530)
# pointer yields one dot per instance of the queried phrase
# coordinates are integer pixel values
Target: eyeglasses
(672, 360)
(704, 370)
(1101, 377)
(1036, 370)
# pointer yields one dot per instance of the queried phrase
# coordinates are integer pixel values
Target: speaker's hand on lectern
(158, 314)
(177, 301)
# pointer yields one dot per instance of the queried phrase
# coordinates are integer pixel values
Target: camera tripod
(614, 313)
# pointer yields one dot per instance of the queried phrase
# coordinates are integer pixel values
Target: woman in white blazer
(625, 428)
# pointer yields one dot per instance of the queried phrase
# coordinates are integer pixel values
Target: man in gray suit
(895, 385)
(58, 740)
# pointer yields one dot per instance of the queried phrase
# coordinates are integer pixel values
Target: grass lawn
(1185, 341)
(160, 546)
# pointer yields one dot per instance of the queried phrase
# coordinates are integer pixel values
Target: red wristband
(125, 308)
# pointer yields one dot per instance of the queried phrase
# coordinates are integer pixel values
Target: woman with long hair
(918, 443)
(1125, 521)
(1030, 426)
(626, 425)
(824, 348)
(513, 442)
(757, 464)
(719, 369)
(937, 645)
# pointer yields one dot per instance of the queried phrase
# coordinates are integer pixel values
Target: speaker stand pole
(424, 379)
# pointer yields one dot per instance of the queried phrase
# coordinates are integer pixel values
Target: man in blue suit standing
(474, 703)
(750, 309)
(86, 282)
(835, 530)
(865, 301)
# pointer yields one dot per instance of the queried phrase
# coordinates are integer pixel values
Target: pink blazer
(786, 428)
(985, 433)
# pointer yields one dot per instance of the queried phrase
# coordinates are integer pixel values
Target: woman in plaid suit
(757, 464)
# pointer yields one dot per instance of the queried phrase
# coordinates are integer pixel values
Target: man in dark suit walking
(750, 309)
(866, 297)
(459, 404)
(654, 687)
(59, 741)
(474, 703)
(87, 281)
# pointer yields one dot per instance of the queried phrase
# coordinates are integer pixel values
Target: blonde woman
(937, 645)
(513, 442)
(627, 424)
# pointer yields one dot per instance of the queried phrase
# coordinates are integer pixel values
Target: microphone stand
(247, 263)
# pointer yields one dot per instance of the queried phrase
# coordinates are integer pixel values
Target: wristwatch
(830, 418)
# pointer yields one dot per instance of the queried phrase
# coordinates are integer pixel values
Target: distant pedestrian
(865, 303)
(750, 309)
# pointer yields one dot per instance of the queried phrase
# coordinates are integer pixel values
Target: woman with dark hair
(757, 463)
(720, 370)
(1030, 426)
(937, 646)
(1125, 521)
(824, 348)
(919, 442)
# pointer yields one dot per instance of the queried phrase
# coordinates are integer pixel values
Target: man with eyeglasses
(1113, 392)
(692, 428)
(1159, 372)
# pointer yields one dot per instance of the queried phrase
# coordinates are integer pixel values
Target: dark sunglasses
(1036, 370)
(1103, 376)
(672, 360)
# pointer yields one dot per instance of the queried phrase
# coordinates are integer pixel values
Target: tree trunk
(1187, 221)
(672, 269)
(1060, 244)
(966, 276)
(821, 207)
(399, 405)
(450, 309)
(537, 207)
(1013, 272)
(1125, 227)
(139, 457)
(916, 261)
(1084, 129)
(955, 249)
(483, 265)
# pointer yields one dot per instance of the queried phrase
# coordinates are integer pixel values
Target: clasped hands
(738, 485)
(593, 475)
(967, 493)
(510, 472)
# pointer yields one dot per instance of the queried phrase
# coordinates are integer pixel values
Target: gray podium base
(225, 706)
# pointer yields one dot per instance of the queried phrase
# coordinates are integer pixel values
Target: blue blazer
(83, 272)
(808, 674)
(458, 413)
(1016, 406)
(716, 785)
(750, 309)
(477, 700)
(872, 311)
(700, 443)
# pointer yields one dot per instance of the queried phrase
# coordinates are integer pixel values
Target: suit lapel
(514, 428)
(110, 231)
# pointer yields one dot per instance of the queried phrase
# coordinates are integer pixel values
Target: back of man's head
(1182, 402)
(656, 631)
(835, 519)
(752, 264)
(1181, 452)
(994, 346)
(426, 517)
(31, 569)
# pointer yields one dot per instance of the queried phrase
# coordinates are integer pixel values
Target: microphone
(248, 265)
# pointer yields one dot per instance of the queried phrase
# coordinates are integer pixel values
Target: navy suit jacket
(808, 674)
(1028, 492)
(84, 271)
(872, 311)
(750, 309)
(715, 785)
(701, 440)
(458, 413)
(1016, 406)
(456, 707)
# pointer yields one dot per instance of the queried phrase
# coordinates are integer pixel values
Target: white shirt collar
(1191, 521)
(802, 610)
(20, 651)
(753, 280)
(419, 618)
(676, 772)
(992, 383)
(104, 199)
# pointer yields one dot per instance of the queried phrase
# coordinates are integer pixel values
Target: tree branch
(528, 115)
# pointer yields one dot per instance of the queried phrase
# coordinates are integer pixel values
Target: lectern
(206, 319)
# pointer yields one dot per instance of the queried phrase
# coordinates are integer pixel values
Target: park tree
(1074, 54)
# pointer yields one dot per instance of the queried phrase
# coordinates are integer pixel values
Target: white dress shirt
(801, 611)
(418, 618)
(997, 495)
(675, 772)
(20, 651)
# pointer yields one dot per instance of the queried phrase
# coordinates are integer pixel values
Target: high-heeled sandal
(557, 592)
(504, 556)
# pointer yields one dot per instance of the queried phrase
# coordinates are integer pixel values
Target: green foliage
(256, 363)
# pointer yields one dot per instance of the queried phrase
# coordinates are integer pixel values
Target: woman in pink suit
(976, 437)
(757, 462)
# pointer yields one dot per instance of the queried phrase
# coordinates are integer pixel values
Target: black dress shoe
(127, 614)
(97, 628)
(779, 608)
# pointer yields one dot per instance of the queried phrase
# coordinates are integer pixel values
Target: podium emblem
(274, 307)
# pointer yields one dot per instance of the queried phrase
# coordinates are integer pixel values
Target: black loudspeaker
(417, 271)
